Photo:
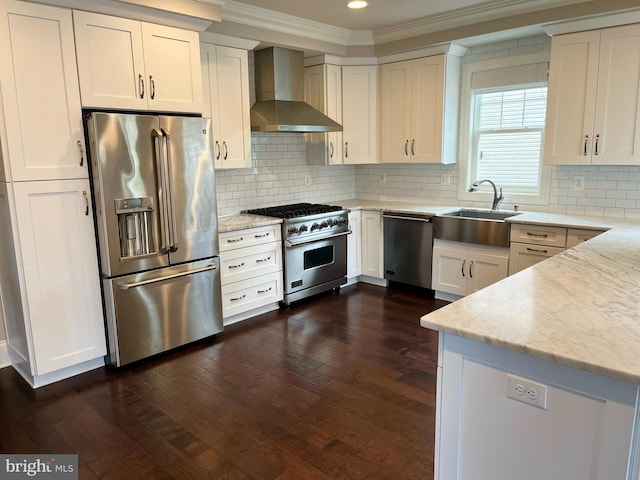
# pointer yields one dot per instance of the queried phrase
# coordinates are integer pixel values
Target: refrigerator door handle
(173, 235)
(127, 286)
(162, 204)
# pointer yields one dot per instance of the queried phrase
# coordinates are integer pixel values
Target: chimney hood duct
(280, 105)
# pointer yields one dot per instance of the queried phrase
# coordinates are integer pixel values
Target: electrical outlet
(307, 180)
(578, 182)
(527, 391)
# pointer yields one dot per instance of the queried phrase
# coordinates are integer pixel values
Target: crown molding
(228, 40)
(245, 14)
(465, 16)
(443, 48)
(340, 61)
(593, 22)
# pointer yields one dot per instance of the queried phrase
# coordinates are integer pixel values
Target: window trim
(465, 147)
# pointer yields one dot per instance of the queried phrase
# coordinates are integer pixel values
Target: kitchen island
(538, 374)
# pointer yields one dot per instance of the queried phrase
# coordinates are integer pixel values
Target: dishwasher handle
(402, 217)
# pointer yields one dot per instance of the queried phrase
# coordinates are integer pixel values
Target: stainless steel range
(314, 247)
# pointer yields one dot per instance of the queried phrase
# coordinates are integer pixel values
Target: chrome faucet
(496, 198)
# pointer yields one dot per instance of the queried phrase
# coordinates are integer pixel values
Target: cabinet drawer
(249, 237)
(244, 263)
(539, 235)
(523, 255)
(243, 296)
(576, 236)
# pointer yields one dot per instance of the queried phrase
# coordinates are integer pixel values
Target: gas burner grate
(294, 210)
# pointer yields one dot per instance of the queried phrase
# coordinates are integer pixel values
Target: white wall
(280, 168)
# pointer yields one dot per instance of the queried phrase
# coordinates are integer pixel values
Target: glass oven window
(319, 257)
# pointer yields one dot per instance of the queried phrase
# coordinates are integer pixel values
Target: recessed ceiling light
(357, 4)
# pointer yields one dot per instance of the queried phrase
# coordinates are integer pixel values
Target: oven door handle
(289, 244)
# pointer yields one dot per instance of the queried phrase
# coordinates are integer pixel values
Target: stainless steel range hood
(280, 105)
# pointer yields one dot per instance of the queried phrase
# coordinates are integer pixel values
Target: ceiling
(381, 14)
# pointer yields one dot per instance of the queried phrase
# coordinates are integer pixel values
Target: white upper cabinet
(593, 113)
(360, 114)
(127, 64)
(419, 105)
(323, 91)
(40, 98)
(225, 81)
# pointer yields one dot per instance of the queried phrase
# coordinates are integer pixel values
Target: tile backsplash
(281, 174)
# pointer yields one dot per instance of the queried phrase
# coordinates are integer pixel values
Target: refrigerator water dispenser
(135, 223)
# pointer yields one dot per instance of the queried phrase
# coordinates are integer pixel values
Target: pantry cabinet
(360, 114)
(323, 91)
(61, 291)
(41, 112)
(419, 109)
(127, 64)
(49, 272)
(225, 80)
(593, 106)
(460, 268)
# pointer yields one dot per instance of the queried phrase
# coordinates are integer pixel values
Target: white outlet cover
(527, 391)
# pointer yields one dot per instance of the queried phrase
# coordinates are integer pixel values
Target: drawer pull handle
(262, 235)
(534, 250)
(235, 240)
(237, 298)
(265, 291)
(262, 260)
(541, 235)
(237, 266)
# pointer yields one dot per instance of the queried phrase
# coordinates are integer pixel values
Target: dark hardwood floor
(341, 386)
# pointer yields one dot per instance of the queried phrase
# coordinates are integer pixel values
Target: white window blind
(507, 133)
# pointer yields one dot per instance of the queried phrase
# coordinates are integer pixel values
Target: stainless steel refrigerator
(153, 186)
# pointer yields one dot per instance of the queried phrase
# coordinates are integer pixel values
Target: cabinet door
(396, 102)
(110, 61)
(450, 270)
(354, 266)
(40, 97)
(427, 110)
(225, 77)
(172, 66)
(571, 98)
(616, 128)
(485, 269)
(359, 114)
(372, 258)
(522, 255)
(60, 272)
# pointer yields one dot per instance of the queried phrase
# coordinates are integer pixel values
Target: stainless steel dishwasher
(408, 248)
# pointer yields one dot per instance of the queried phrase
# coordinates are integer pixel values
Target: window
(507, 137)
(505, 105)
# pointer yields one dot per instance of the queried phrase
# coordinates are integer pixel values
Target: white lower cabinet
(372, 245)
(503, 415)
(532, 243)
(50, 281)
(354, 248)
(461, 268)
(251, 271)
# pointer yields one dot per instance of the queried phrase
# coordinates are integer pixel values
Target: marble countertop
(579, 308)
(241, 221)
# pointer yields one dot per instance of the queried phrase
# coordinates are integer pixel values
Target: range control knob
(324, 224)
(331, 222)
(303, 228)
(315, 226)
(292, 230)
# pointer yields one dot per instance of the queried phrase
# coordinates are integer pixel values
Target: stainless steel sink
(485, 227)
